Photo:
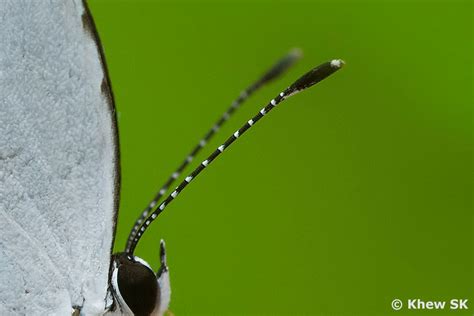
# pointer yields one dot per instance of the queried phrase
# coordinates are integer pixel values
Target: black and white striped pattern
(307, 80)
(281, 66)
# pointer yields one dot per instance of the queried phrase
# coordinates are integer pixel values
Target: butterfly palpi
(59, 169)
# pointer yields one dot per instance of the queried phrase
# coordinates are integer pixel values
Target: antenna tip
(337, 63)
(296, 53)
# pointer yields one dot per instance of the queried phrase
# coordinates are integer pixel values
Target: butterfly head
(136, 289)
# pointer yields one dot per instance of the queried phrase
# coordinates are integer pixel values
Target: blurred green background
(349, 195)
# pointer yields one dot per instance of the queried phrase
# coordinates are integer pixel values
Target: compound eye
(137, 285)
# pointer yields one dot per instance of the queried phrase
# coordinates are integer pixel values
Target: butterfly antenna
(307, 80)
(274, 72)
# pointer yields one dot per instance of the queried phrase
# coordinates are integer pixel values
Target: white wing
(58, 160)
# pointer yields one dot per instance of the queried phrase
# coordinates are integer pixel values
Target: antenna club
(314, 76)
(337, 63)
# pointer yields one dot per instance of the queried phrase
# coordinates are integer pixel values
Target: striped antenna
(274, 72)
(307, 80)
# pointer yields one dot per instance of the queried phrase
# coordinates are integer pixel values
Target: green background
(347, 196)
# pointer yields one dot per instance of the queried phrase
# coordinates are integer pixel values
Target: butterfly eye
(135, 285)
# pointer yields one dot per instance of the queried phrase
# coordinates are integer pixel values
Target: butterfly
(60, 173)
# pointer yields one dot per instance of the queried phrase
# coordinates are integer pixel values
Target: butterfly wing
(59, 168)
